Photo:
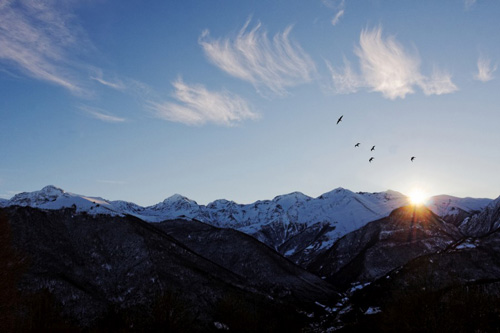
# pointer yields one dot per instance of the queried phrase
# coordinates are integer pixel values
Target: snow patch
(221, 326)
(358, 286)
(372, 310)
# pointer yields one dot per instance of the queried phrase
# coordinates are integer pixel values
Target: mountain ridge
(318, 222)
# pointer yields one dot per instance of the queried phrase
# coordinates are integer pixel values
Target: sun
(417, 197)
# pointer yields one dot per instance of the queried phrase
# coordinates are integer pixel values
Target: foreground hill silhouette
(110, 269)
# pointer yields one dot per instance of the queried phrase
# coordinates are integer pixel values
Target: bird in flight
(373, 148)
(371, 159)
(357, 144)
(412, 158)
(340, 119)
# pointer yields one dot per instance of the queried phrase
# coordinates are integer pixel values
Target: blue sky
(240, 99)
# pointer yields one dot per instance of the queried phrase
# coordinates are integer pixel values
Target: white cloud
(387, 68)
(485, 70)
(101, 114)
(345, 81)
(251, 56)
(337, 17)
(114, 84)
(338, 6)
(196, 106)
(36, 36)
(438, 84)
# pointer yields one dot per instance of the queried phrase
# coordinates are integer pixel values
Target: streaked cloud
(485, 70)
(100, 114)
(195, 105)
(345, 80)
(37, 37)
(338, 6)
(387, 68)
(276, 64)
(114, 83)
(385, 65)
(438, 84)
(337, 17)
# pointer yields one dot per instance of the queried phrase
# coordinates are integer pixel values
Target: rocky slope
(484, 222)
(98, 265)
(379, 247)
(456, 289)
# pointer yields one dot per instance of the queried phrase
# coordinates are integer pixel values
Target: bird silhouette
(373, 148)
(371, 159)
(340, 119)
(412, 158)
(357, 144)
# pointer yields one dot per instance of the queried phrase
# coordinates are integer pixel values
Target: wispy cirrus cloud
(101, 114)
(275, 64)
(195, 105)
(345, 80)
(116, 84)
(485, 70)
(337, 17)
(37, 37)
(338, 6)
(387, 68)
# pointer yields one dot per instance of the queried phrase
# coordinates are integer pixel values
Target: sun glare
(417, 197)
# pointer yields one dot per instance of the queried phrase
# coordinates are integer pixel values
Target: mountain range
(342, 261)
(294, 224)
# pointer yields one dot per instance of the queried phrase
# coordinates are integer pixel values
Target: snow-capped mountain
(455, 210)
(383, 245)
(51, 197)
(487, 221)
(295, 224)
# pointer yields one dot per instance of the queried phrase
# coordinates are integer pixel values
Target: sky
(137, 101)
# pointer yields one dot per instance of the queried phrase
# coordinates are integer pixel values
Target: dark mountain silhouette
(115, 270)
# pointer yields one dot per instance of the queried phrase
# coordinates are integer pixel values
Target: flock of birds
(373, 147)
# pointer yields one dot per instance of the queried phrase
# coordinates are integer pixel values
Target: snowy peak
(47, 194)
(484, 222)
(445, 205)
(222, 204)
(386, 196)
(175, 201)
(288, 200)
(51, 197)
(336, 194)
(177, 197)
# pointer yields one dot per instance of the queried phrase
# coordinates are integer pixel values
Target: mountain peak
(176, 197)
(412, 212)
(293, 195)
(395, 193)
(51, 189)
(46, 194)
(338, 192)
